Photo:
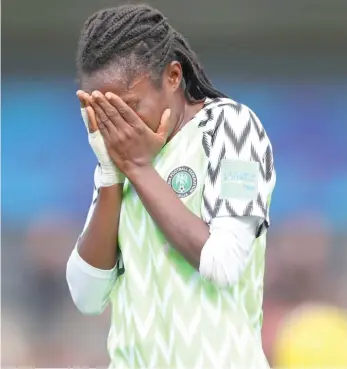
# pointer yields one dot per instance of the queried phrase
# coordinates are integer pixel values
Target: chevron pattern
(237, 142)
(213, 174)
(237, 106)
(163, 314)
(214, 132)
(269, 167)
(257, 126)
(238, 135)
(206, 143)
(208, 118)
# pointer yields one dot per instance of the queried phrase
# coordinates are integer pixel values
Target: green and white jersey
(164, 315)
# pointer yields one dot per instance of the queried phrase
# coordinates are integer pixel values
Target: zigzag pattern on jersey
(163, 314)
(232, 130)
(192, 340)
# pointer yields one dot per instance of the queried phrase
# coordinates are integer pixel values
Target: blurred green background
(284, 59)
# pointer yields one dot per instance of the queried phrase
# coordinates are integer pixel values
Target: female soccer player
(175, 236)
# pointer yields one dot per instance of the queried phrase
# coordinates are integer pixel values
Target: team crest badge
(183, 181)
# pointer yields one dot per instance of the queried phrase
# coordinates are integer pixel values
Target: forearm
(98, 243)
(183, 229)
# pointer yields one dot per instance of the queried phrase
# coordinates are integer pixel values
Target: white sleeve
(89, 286)
(225, 255)
(237, 190)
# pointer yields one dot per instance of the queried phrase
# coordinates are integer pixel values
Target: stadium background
(285, 59)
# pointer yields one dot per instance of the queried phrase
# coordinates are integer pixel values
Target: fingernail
(108, 96)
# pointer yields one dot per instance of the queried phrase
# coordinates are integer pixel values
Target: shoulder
(234, 127)
(234, 141)
(231, 114)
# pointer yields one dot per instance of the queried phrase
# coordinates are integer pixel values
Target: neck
(189, 111)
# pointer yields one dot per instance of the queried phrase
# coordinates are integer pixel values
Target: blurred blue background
(44, 140)
(285, 60)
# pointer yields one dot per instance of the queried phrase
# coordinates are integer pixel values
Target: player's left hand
(130, 143)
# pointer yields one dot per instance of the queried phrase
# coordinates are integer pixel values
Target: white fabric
(224, 258)
(110, 175)
(233, 133)
(89, 286)
(225, 255)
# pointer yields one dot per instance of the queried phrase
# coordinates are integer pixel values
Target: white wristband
(110, 175)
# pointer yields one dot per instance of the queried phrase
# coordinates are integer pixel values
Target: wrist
(137, 173)
(110, 175)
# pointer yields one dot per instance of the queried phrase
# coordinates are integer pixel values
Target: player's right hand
(87, 112)
(110, 175)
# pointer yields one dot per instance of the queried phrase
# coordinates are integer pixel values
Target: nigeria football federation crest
(183, 181)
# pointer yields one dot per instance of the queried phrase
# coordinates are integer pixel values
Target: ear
(174, 75)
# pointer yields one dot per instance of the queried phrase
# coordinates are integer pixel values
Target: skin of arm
(131, 146)
(183, 229)
(98, 244)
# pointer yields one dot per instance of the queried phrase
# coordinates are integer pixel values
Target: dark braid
(142, 36)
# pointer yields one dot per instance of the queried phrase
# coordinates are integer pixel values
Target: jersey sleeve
(240, 174)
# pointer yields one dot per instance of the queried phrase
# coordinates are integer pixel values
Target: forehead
(116, 82)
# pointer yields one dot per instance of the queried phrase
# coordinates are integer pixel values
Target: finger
(102, 120)
(80, 95)
(164, 125)
(88, 114)
(123, 109)
(84, 113)
(110, 111)
(92, 122)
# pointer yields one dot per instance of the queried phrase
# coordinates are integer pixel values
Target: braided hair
(139, 37)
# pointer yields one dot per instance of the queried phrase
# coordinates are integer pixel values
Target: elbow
(85, 307)
(219, 278)
(84, 293)
(87, 310)
(225, 256)
(221, 265)
(82, 298)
